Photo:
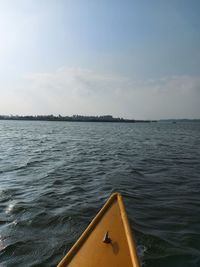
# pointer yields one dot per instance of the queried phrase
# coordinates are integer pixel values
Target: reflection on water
(55, 176)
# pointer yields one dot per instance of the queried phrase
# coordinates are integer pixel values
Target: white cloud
(70, 91)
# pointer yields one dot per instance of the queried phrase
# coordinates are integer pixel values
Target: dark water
(54, 177)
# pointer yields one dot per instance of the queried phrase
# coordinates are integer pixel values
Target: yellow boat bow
(107, 241)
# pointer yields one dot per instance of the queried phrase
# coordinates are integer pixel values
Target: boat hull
(107, 241)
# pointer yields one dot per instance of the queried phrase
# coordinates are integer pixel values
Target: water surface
(55, 176)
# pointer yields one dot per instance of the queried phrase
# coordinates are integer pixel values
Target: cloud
(69, 91)
(173, 97)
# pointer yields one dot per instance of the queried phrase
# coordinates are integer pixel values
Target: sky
(136, 59)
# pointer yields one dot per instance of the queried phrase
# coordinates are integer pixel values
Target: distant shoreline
(80, 118)
(74, 118)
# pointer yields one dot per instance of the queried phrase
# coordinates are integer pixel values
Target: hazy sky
(133, 59)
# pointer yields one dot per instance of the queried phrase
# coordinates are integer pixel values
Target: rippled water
(54, 177)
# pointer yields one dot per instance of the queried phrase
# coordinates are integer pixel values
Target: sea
(55, 176)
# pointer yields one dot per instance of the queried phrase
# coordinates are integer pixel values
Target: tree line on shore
(104, 118)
